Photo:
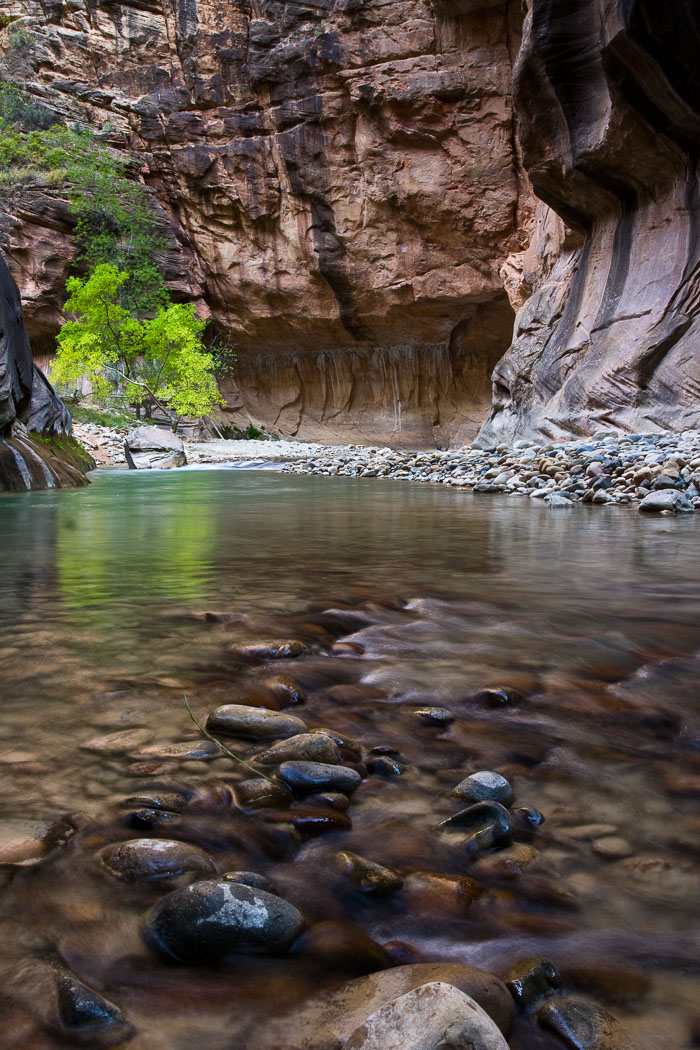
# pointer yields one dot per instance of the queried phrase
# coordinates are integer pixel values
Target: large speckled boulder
(216, 918)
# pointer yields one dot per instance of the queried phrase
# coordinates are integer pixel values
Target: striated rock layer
(35, 448)
(339, 179)
(343, 194)
(607, 97)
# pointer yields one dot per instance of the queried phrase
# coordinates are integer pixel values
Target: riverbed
(119, 600)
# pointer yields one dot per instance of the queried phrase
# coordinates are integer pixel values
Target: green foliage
(115, 221)
(154, 362)
(21, 39)
(103, 417)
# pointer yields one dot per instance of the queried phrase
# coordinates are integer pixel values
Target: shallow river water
(118, 600)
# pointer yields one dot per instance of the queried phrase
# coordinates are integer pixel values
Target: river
(118, 600)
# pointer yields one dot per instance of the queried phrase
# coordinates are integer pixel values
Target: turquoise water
(118, 599)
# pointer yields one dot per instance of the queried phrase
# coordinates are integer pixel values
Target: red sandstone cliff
(341, 186)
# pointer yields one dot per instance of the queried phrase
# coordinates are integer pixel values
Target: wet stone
(332, 799)
(442, 895)
(384, 766)
(25, 842)
(373, 879)
(253, 722)
(478, 817)
(211, 920)
(612, 847)
(484, 786)
(286, 689)
(119, 743)
(83, 1012)
(305, 777)
(531, 980)
(498, 696)
(670, 501)
(582, 1026)
(170, 801)
(506, 864)
(341, 946)
(434, 716)
(306, 747)
(149, 818)
(252, 879)
(526, 821)
(258, 793)
(139, 859)
(182, 752)
(289, 649)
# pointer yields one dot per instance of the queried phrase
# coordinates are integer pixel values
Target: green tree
(153, 362)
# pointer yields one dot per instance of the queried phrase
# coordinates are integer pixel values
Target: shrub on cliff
(157, 362)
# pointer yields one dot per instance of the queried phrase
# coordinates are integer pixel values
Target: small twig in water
(236, 758)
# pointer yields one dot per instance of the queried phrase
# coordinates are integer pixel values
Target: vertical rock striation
(607, 97)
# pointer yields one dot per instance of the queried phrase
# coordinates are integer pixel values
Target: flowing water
(119, 599)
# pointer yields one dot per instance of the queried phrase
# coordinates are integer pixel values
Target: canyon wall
(607, 97)
(338, 178)
(345, 196)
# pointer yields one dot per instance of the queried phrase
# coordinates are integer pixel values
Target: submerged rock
(486, 824)
(87, 1016)
(342, 946)
(120, 742)
(306, 747)
(583, 1026)
(25, 842)
(305, 777)
(210, 920)
(259, 792)
(530, 980)
(154, 859)
(288, 649)
(253, 722)
(373, 879)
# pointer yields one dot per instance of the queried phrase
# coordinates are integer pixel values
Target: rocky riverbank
(659, 472)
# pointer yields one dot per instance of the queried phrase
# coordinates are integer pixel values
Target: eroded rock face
(31, 415)
(608, 105)
(340, 185)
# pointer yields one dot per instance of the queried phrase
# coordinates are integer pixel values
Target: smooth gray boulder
(484, 786)
(210, 920)
(666, 499)
(150, 448)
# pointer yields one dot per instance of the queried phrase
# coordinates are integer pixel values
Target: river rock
(89, 1017)
(306, 747)
(25, 842)
(328, 1021)
(305, 777)
(181, 752)
(485, 824)
(386, 767)
(666, 500)
(213, 919)
(373, 879)
(286, 689)
(154, 859)
(498, 696)
(530, 980)
(484, 786)
(117, 743)
(341, 946)
(506, 864)
(435, 1016)
(252, 879)
(253, 722)
(583, 1026)
(434, 716)
(168, 801)
(428, 893)
(152, 448)
(259, 792)
(288, 649)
